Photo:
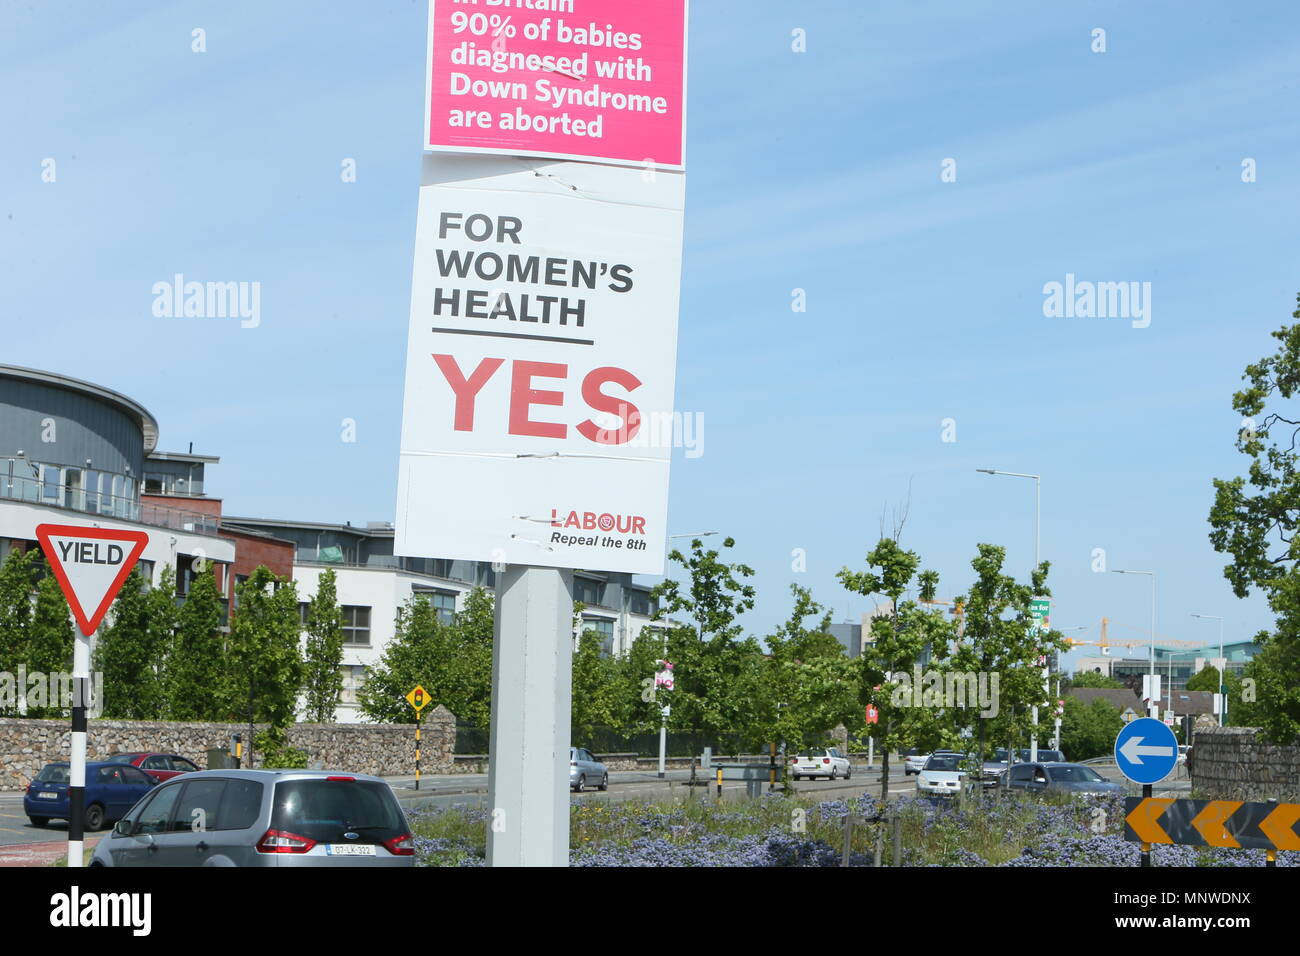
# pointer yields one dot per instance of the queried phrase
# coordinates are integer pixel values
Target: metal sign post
(90, 565)
(532, 692)
(418, 698)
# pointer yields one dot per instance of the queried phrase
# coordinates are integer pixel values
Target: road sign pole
(77, 782)
(1146, 847)
(417, 750)
(532, 673)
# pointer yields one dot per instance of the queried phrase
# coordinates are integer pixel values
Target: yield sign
(90, 565)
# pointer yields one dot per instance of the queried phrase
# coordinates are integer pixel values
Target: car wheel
(848, 774)
(39, 821)
(604, 782)
(797, 777)
(834, 774)
(582, 783)
(94, 817)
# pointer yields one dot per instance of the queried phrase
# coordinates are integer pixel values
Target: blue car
(111, 790)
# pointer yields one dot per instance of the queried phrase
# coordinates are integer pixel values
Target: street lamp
(1223, 666)
(1156, 705)
(1038, 488)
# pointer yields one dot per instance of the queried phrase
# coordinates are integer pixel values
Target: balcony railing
(34, 491)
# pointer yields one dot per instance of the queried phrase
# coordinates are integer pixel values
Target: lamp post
(1038, 488)
(1155, 706)
(1223, 667)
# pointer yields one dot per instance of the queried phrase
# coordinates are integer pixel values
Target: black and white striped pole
(77, 777)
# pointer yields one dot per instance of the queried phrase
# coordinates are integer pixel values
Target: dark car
(111, 790)
(1060, 778)
(160, 766)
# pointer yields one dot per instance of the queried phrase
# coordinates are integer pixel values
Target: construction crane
(1106, 644)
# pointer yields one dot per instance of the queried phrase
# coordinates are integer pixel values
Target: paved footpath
(40, 854)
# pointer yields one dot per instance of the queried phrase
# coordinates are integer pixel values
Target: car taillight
(346, 779)
(281, 841)
(794, 759)
(401, 846)
(826, 759)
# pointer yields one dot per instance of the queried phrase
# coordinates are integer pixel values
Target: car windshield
(812, 753)
(943, 762)
(1076, 775)
(53, 773)
(325, 810)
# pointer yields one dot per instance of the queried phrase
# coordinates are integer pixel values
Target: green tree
(715, 670)
(997, 641)
(49, 644)
(132, 649)
(453, 662)
(323, 655)
(1091, 679)
(1254, 518)
(596, 687)
(1089, 730)
(17, 584)
(808, 685)
(194, 675)
(264, 667)
(898, 638)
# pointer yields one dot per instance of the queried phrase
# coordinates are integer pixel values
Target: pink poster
(601, 80)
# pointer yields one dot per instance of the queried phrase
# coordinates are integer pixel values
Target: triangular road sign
(90, 565)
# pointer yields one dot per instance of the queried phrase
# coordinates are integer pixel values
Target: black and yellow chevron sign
(1228, 823)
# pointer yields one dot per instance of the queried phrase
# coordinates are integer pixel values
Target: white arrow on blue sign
(1146, 750)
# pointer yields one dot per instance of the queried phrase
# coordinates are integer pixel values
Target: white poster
(537, 426)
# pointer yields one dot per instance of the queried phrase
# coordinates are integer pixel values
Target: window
(588, 592)
(356, 625)
(154, 817)
(49, 483)
(445, 604)
(197, 807)
(146, 572)
(240, 808)
(605, 628)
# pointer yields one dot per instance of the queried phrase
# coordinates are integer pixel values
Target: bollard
(719, 783)
(848, 839)
(896, 828)
(880, 844)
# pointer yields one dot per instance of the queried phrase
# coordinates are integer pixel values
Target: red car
(159, 766)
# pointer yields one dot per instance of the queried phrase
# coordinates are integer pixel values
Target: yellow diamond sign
(418, 698)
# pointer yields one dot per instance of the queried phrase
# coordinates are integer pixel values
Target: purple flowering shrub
(780, 831)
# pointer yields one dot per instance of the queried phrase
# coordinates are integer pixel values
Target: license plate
(46, 795)
(349, 849)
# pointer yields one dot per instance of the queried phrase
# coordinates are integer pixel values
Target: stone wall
(27, 745)
(1228, 763)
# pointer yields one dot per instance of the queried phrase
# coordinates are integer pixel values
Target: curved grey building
(71, 443)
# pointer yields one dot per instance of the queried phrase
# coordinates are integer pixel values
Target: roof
(1190, 702)
(148, 424)
(183, 456)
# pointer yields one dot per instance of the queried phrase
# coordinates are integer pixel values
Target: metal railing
(33, 491)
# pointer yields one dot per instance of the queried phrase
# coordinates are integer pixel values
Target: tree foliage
(1255, 517)
(133, 646)
(323, 654)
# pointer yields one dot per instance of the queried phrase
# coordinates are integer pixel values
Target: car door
(191, 836)
(1019, 776)
(157, 766)
(141, 846)
(111, 791)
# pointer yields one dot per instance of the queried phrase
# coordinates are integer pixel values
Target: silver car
(262, 818)
(585, 769)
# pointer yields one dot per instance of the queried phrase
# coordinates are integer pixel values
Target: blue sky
(817, 170)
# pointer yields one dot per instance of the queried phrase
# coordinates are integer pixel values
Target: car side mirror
(122, 827)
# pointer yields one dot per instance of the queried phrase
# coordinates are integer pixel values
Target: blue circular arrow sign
(1146, 750)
